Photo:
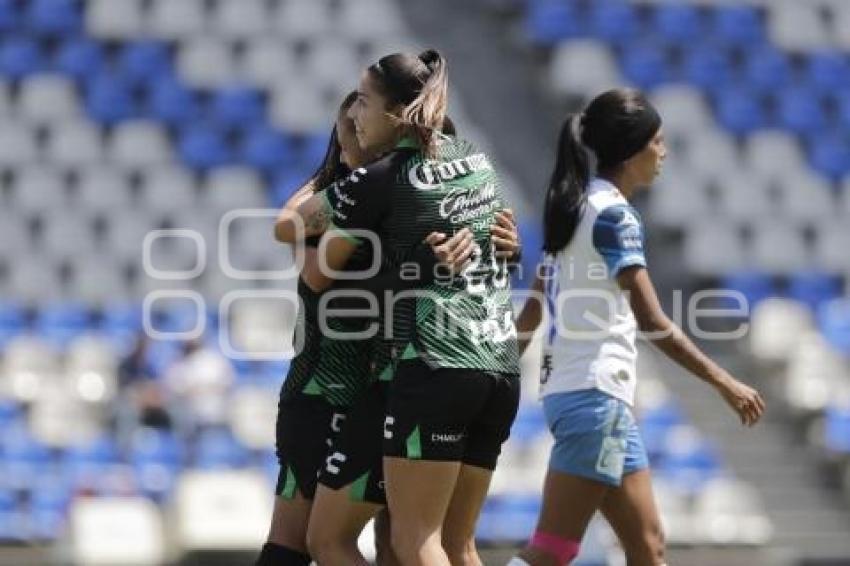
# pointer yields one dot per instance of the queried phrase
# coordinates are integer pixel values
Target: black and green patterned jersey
(336, 369)
(459, 321)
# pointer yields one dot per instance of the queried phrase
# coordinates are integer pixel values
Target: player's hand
(743, 399)
(505, 235)
(454, 252)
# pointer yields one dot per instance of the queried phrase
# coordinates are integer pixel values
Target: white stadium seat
(797, 26)
(677, 197)
(303, 19)
(47, 98)
(67, 234)
(18, 144)
(38, 190)
(240, 20)
(776, 325)
(683, 108)
(98, 279)
(730, 511)
(744, 196)
(168, 188)
(102, 188)
(815, 374)
(266, 60)
(252, 414)
(773, 154)
(778, 248)
(299, 107)
(333, 63)
(713, 247)
(125, 234)
(807, 197)
(139, 144)
(230, 188)
(59, 418)
(35, 280)
(115, 19)
(831, 241)
(369, 18)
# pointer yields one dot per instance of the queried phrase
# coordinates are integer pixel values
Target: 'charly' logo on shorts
(446, 438)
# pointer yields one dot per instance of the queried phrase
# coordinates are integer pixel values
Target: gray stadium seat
(815, 373)
(98, 279)
(47, 98)
(713, 247)
(6, 106)
(744, 196)
(240, 20)
(206, 62)
(773, 154)
(230, 188)
(125, 232)
(38, 190)
(139, 144)
(776, 325)
(303, 19)
(369, 18)
(74, 144)
(66, 234)
(168, 188)
(830, 246)
(683, 108)
(103, 188)
(299, 107)
(333, 63)
(584, 68)
(18, 144)
(807, 197)
(778, 248)
(267, 60)
(115, 19)
(172, 20)
(36, 280)
(797, 26)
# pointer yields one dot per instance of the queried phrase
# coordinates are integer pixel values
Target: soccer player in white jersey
(596, 286)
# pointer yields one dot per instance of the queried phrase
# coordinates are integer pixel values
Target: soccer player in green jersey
(455, 391)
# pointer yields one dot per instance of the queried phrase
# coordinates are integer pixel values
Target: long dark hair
(615, 126)
(419, 83)
(332, 167)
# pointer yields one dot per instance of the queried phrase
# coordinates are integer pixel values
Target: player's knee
(649, 549)
(461, 552)
(407, 541)
(322, 544)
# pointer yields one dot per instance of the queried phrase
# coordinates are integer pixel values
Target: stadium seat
(712, 152)
(826, 70)
(713, 248)
(251, 414)
(744, 197)
(682, 107)
(217, 450)
(773, 154)
(144, 61)
(264, 148)
(368, 19)
(6, 102)
(79, 58)
(767, 69)
(333, 63)
(125, 231)
(18, 145)
(740, 111)
(109, 98)
(776, 323)
(708, 66)
(729, 511)
(738, 25)
(13, 321)
(582, 67)
(300, 108)
(548, 22)
(834, 322)
(806, 197)
(796, 26)
(97, 279)
(171, 20)
(36, 279)
(60, 324)
(54, 17)
(139, 145)
(205, 62)
(646, 66)
(830, 154)
(777, 248)
(689, 461)
(115, 19)
(204, 147)
(837, 429)
(65, 236)
(814, 376)
(237, 106)
(614, 22)
(10, 16)
(240, 20)
(677, 24)
(266, 60)
(173, 103)
(168, 188)
(813, 288)
(830, 247)
(102, 189)
(20, 56)
(38, 190)
(47, 98)
(77, 143)
(755, 286)
(231, 188)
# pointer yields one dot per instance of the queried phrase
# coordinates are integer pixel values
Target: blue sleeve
(618, 237)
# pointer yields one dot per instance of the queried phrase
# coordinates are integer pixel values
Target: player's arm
(505, 237)
(531, 314)
(304, 214)
(618, 237)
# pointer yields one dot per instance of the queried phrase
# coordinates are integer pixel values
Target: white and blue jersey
(589, 358)
(591, 337)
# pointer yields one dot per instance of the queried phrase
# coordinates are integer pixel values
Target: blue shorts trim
(596, 436)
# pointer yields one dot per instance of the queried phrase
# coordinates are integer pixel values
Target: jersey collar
(598, 184)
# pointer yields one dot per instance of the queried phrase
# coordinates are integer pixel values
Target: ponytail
(565, 196)
(427, 112)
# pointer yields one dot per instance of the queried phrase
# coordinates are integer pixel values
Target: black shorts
(454, 415)
(355, 460)
(306, 426)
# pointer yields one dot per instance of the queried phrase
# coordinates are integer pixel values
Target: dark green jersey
(460, 321)
(337, 369)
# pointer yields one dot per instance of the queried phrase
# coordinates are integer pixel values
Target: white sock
(517, 561)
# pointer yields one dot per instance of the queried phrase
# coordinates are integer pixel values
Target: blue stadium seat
(767, 69)
(61, 323)
(218, 449)
(740, 111)
(689, 467)
(677, 24)
(843, 103)
(737, 25)
(237, 106)
(834, 322)
(80, 58)
(708, 66)
(156, 480)
(145, 61)
(264, 148)
(286, 182)
(161, 354)
(48, 507)
(109, 98)
(10, 413)
(755, 286)
(10, 17)
(615, 22)
(800, 110)
(20, 56)
(152, 445)
(171, 102)
(837, 429)
(508, 517)
(55, 17)
(827, 71)
(13, 321)
(646, 66)
(22, 457)
(813, 287)
(549, 21)
(829, 153)
(204, 147)
(310, 149)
